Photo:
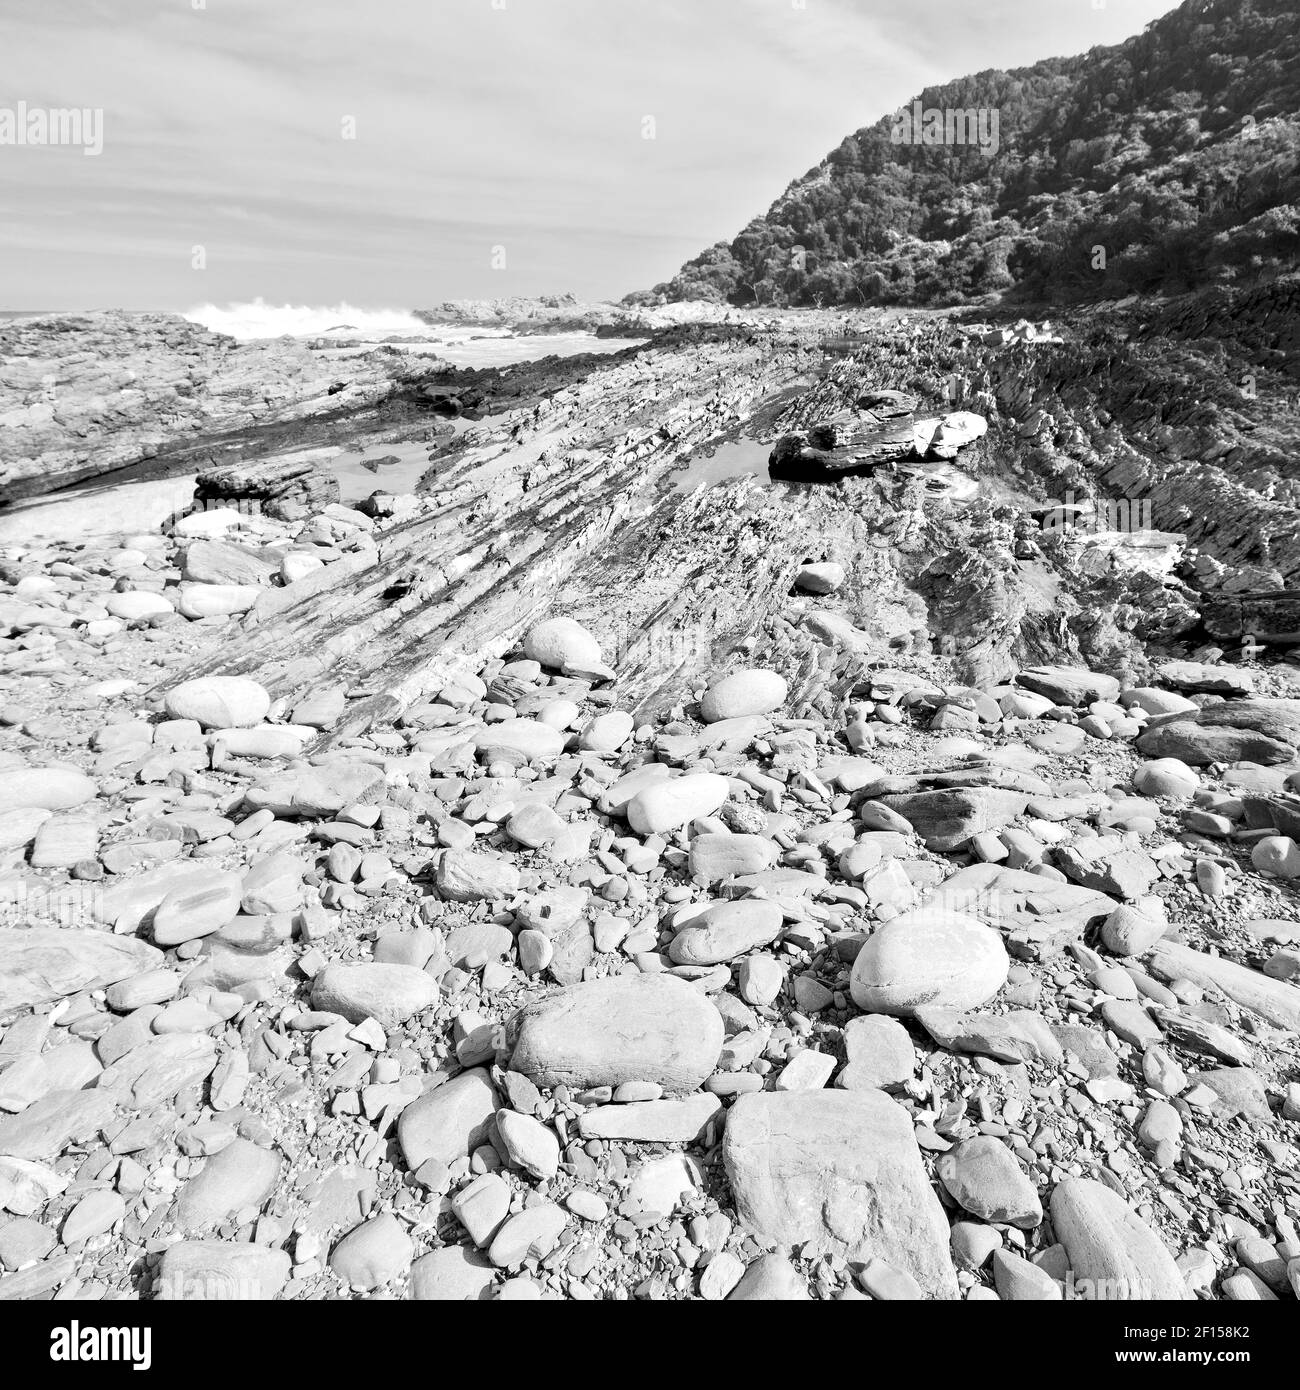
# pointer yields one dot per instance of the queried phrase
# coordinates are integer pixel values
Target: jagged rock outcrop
(82, 395)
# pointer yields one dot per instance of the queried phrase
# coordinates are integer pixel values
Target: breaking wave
(262, 320)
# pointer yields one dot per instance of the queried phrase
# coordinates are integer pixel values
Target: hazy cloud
(476, 126)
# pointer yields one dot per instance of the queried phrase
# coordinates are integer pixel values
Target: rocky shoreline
(563, 882)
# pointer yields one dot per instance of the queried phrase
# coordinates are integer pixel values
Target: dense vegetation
(1166, 163)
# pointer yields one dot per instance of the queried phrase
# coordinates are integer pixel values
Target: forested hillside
(1168, 162)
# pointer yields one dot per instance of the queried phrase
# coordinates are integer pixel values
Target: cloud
(517, 123)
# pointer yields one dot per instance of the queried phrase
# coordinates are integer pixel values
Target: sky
(397, 153)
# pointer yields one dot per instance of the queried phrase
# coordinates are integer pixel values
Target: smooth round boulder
(820, 579)
(742, 694)
(562, 645)
(928, 956)
(452, 1274)
(1133, 928)
(607, 733)
(1165, 777)
(219, 702)
(373, 1253)
(673, 802)
(240, 1177)
(203, 904)
(1276, 855)
(717, 856)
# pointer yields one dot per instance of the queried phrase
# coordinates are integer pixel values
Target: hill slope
(1165, 163)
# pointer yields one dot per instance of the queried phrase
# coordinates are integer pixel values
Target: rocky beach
(802, 807)
(528, 775)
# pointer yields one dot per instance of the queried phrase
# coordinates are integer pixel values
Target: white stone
(928, 956)
(742, 694)
(219, 702)
(137, 603)
(667, 805)
(216, 600)
(562, 645)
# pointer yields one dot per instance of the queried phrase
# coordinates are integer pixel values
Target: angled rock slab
(1240, 1092)
(1237, 731)
(42, 1131)
(37, 965)
(1019, 1036)
(652, 1121)
(1109, 1245)
(1068, 685)
(1038, 916)
(946, 819)
(158, 1070)
(841, 1172)
(1272, 999)
(318, 791)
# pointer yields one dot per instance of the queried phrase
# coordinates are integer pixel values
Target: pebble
(561, 644)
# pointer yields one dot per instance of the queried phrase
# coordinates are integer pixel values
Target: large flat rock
(1254, 731)
(947, 818)
(841, 1172)
(1274, 1000)
(40, 964)
(1110, 1246)
(626, 1028)
(1038, 916)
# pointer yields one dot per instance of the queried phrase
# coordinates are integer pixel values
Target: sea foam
(262, 320)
